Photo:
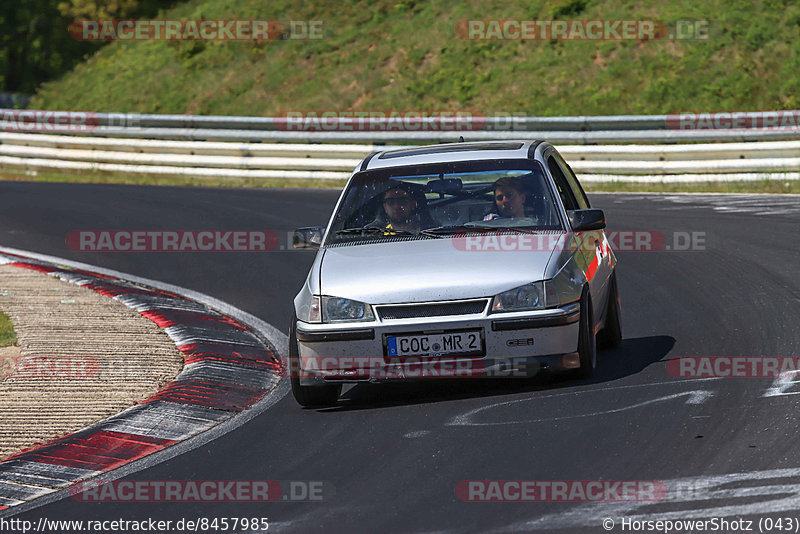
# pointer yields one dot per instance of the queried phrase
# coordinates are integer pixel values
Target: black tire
(611, 334)
(308, 396)
(587, 341)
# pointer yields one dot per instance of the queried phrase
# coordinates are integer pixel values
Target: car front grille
(411, 311)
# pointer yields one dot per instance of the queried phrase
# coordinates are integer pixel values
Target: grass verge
(761, 186)
(175, 181)
(7, 336)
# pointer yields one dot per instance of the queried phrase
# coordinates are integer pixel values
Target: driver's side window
(564, 191)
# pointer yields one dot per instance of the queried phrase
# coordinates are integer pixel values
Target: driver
(401, 210)
(509, 199)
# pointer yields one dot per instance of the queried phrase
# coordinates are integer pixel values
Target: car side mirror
(585, 220)
(308, 237)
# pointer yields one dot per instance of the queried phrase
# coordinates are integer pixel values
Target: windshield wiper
(455, 228)
(373, 230)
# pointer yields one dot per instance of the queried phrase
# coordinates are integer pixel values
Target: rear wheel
(611, 334)
(587, 346)
(308, 396)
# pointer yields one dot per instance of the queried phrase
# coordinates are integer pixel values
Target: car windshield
(439, 200)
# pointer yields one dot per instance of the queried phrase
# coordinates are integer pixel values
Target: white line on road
(695, 397)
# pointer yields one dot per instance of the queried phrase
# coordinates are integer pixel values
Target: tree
(109, 9)
(35, 44)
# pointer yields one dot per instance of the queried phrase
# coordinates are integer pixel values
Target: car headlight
(527, 297)
(307, 305)
(315, 310)
(338, 310)
(565, 287)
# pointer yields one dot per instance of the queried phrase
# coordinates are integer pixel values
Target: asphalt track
(395, 454)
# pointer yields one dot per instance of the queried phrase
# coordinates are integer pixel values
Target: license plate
(467, 343)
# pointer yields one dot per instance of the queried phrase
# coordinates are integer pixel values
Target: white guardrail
(263, 147)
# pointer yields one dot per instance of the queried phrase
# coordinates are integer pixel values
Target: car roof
(452, 152)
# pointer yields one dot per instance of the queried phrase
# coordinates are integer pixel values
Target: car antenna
(460, 138)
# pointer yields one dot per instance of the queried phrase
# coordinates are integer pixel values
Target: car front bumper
(520, 344)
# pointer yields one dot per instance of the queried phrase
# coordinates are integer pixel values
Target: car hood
(429, 269)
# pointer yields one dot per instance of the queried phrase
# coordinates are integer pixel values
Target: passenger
(509, 199)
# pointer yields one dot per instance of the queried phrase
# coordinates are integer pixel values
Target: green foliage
(406, 55)
(568, 8)
(7, 336)
(111, 9)
(35, 45)
(92, 9)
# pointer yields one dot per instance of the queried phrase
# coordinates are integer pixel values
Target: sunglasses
(396, 201)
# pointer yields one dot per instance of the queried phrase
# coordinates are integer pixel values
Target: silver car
(457, 260)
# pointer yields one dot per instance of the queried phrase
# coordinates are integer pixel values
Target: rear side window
(574, 185)
(564, 191)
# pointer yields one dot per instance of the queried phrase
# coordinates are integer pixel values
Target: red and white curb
(230, 367)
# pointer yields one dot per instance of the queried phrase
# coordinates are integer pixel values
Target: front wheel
(308, 396)
(587, 346)
(611, 334)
